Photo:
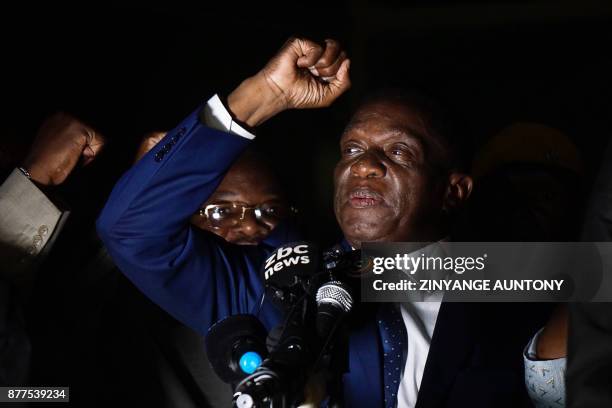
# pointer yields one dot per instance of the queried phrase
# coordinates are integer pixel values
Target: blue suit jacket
(199, 280)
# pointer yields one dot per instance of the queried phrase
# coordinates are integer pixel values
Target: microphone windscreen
(333, 302)
(289, 263)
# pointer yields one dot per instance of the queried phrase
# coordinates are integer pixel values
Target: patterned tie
(394, 339)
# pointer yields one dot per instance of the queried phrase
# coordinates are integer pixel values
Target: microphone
(288, 273)
(316, 302)
(333, 302)
(293, 271)
(236, 347)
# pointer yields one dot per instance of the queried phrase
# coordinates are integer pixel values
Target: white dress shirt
(420, 320)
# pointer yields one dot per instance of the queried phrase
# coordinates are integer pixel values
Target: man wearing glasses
(167, 366)
(247, 205)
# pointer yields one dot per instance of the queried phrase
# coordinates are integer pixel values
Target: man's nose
(368, 165)
(250, 226)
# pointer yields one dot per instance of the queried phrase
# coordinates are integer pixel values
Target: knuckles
(327, 57)
(325, 62)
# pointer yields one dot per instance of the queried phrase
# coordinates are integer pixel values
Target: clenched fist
(303, 74)
(60, 143)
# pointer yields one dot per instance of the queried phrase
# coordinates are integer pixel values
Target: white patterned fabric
(545, 379)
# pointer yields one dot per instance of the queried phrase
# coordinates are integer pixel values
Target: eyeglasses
(231, 214)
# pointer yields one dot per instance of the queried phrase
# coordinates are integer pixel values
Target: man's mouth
(241, 239)
(364, 198)
(245, 242)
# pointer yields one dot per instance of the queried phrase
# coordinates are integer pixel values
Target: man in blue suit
(399, 178)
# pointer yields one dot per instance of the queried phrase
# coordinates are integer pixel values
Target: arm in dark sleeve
(145, 226)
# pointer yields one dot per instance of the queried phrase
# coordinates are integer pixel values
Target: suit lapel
(451, 346)
(364, 379)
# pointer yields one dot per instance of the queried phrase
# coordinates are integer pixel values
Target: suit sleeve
(28, 220)
(145, 226)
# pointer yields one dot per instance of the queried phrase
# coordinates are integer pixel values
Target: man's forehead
(254, 180)
(387, 119)
(248, 196)
(389, 110)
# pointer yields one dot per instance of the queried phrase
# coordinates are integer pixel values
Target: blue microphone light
(249, 362)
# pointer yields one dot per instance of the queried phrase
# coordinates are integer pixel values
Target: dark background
(128, 70)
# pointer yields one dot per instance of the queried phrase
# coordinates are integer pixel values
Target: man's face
(244, 185)
(386, 188)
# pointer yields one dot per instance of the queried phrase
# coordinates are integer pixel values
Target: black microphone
(236, 347)
(288, 272)
(316, 303)
(293, 271)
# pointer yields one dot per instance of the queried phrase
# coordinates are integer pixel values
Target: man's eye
(276, 211)
(401, 155)
(270, 211)
(350, 150)
(220, 212)
(398, 154)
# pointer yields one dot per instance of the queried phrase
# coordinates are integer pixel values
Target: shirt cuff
(217, 117)
(545, 379)
(531, 350)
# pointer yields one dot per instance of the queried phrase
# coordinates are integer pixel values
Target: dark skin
(250, 183)
(394, 196)
(388, 185)
(552, 342)
(61, 143)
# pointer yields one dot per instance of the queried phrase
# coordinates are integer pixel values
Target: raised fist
(303, 74)
(308, 75)
(60, 143)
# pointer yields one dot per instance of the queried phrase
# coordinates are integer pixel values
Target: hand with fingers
(303, 74)
(60, 143)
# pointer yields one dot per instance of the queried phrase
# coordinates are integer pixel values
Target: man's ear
(458, 190)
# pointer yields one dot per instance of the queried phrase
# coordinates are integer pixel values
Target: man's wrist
(551, 345)
(36, 174)
(253, 101)
(216, 115)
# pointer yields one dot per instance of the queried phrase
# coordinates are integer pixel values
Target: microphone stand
(266, 389)
(272, 384)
